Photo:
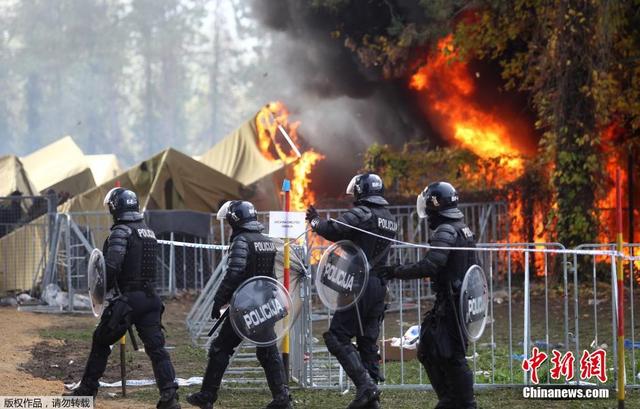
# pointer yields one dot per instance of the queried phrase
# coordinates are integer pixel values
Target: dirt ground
(21, 333)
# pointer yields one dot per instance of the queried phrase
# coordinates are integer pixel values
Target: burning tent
(261, 153)
(238, 157)
(60, 166)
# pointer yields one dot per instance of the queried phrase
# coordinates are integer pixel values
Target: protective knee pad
(369, 351)
(337, 345)
(153, 339)
(267, 355)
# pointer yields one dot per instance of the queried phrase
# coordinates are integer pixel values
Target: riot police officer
(130, 258)
(251, 254)
(370, 214)
(442, 344)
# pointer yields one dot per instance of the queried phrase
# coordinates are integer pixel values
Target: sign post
(620, 276)
(123, 351)
(286, 188)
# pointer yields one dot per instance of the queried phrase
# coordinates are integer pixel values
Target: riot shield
(260, 311)
(97, 277)
(342, 275)
(474, 303)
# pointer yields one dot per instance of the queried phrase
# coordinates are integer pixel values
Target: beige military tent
(168, 180)
(239, 157)
(103, 167)
(60, 166)
(14, 177)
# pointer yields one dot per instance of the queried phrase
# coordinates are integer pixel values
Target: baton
(224, 316)
(458, 324)
(133, 339)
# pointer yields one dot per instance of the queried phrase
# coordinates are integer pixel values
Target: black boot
(203, 400)
(168, 399)
(218, 362)
(82, 390)
(367, 393)
(271, 362)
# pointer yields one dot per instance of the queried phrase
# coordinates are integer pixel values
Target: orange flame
(274, 147)
(448, 87)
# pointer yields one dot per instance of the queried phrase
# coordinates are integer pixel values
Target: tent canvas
(14, 177)
(60, 166)
(103, 167)
(239, 157)
(168, 180)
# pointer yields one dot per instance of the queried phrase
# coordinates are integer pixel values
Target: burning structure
(456, 114)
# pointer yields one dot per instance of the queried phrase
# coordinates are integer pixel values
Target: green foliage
(578, 61)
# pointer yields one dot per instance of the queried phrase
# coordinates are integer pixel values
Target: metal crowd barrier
(537, 300)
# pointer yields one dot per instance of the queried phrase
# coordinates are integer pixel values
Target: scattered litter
(594, 345)
(631, 345)
(582, 383)
(24, 298)
(194, 380)
(500, 296)
(596, 301)
(54, 366)
(474, 356)
(543, 344)
(71, 362)
(8, 301)
(483, 373)
(54, 296)
(409, 339)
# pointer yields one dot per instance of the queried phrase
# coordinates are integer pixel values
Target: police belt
(137, 286)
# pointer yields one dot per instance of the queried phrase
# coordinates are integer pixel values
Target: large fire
(273, 145)
(449, 89)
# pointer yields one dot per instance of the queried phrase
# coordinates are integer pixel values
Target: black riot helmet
(439, 199)
(123, 205)
(367, 187)
(239, 214)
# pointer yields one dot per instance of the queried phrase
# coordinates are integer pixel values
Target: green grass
(395, 399)
(80, 333)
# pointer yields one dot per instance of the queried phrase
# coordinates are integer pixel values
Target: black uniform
(374, 218)
(442, 344)
(251, 254)
(130, 258)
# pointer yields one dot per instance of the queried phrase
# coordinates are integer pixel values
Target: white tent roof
(61, 166)
(104, 167)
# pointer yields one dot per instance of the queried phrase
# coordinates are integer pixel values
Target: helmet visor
(108, 196)
(352, 185)
(421, 206)
(222, 213)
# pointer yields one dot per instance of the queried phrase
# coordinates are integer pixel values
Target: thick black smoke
(343, 107)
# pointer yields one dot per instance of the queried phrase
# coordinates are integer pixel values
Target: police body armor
(139, 266)
(262, 255)
(448, 283)
(381, 223)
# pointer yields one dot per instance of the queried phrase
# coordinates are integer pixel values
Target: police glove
(313, 217)
(215, 311)
(385, 272)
